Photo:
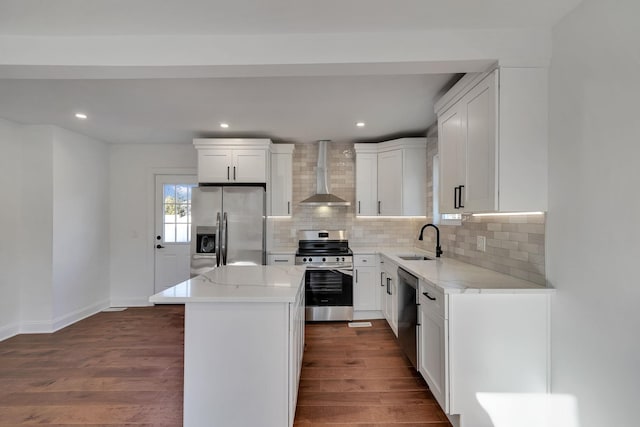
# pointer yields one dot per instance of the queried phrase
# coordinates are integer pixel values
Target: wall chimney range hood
(323, 197)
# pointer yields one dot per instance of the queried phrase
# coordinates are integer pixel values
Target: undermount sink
(415, 258)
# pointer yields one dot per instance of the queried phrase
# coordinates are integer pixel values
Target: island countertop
(235, 283)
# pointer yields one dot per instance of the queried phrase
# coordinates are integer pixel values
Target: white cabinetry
(281, 183)
(389, 292)
(492, 142)
(432, 341)
(367, 183)
(391, 177)
(254, 362)
(232, 160)
(473, 342)
(366, 293)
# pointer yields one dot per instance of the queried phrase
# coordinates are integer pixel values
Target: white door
(173, 229)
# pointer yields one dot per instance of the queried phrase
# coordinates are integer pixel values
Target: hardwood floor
(360, 377)
(125, 368)
(114, 368)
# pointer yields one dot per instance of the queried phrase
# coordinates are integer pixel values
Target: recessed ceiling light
(360, 124)
(81, 116)
(224, 125)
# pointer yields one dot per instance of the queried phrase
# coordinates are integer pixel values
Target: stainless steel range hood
(323, 197)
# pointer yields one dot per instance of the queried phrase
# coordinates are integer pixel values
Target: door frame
(151, 221)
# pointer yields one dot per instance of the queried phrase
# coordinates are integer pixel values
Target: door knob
(159, 247)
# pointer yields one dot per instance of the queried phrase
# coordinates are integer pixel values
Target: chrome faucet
(438, 248)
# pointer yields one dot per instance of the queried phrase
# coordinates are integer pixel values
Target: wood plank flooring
(360, 377)
(114, 368)
(126, 368)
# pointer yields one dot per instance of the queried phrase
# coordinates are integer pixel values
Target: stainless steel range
(329, 276)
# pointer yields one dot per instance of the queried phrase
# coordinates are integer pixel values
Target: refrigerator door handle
(218, 239)
(225, 248)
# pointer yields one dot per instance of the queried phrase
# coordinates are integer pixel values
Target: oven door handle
(347, 271)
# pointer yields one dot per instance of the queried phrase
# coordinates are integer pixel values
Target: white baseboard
(44, 326)
(73, 317)
(9, 331)
(36, 327)
(130, 302)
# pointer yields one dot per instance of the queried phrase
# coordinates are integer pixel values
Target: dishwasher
(408, 315)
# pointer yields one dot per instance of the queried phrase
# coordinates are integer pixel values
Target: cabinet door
(390, 296)
(281, 183)
(249, 166)
(480, 106)
(390, 182)
(394, 304)
(214, 165)
(452, 153)
(365, 289)
(431, 355)
(367, 184)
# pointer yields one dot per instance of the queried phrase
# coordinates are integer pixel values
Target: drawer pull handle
(426, 294)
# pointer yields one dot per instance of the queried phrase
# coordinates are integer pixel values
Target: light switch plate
(481, 243)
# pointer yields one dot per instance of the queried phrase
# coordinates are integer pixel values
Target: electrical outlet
(481, 243)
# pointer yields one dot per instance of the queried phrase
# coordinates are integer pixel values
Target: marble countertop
(454, 276)
(231, 283)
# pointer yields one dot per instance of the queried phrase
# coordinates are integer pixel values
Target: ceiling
(301, 108)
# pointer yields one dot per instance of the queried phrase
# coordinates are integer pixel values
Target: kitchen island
(244, 339)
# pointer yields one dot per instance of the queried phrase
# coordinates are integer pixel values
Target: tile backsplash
(514, 244)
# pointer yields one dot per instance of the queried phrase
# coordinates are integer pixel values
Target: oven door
(329, 293)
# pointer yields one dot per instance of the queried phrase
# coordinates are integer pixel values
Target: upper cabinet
(492, 142)
(391, 178)
(281, 184)
(232, 160)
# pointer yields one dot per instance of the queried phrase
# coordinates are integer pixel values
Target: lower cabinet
(389, 292)
(366, 296)
(432, 341)
(242, 362)
(470, 343)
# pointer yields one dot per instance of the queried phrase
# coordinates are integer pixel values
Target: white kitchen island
(244, 339)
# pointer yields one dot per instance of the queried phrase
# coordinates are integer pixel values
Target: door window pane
(177, 212)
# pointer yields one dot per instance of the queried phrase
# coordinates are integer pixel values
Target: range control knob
(310, 259)
(342, 259)
(338, 259)
(304, 260)
(324, 259)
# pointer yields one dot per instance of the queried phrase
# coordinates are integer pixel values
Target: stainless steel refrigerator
(228, 226)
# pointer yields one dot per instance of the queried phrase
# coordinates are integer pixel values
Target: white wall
(594, 211)
(10, 154)
(131, 214)
(36, 229)
(54, 226)
(80, 226)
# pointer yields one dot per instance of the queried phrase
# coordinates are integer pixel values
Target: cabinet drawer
(281, 259)
(432, 299)
(368, 260)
